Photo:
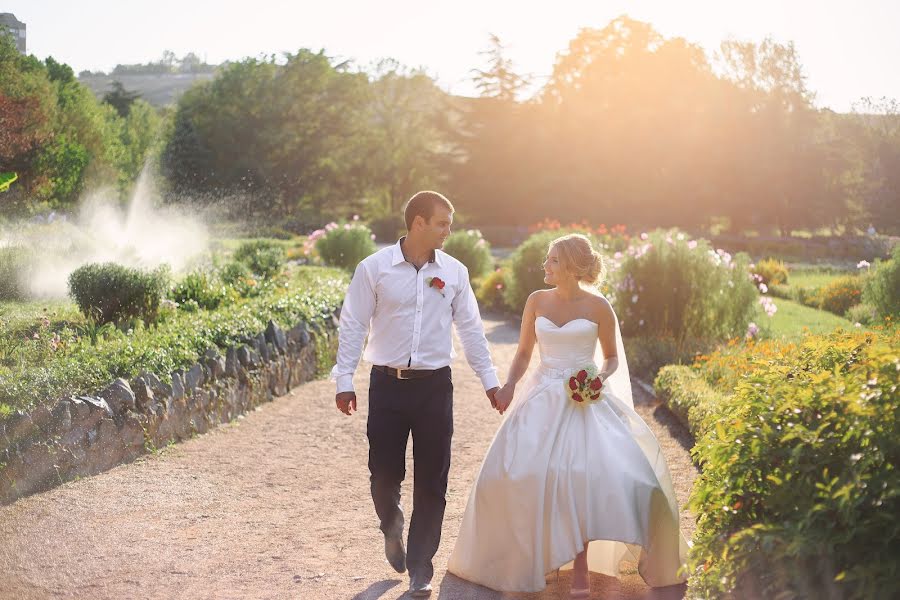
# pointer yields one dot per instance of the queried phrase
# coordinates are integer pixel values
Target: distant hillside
(157, 89)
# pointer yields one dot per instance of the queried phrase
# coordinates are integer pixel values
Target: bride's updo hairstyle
(578, 257)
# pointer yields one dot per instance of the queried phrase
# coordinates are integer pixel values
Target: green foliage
(264, 258)
(200, 288)
(526, 267)
(672, 287)
(864, 314)
(794, 320)
(771, 272)
(882, 290)
(15, 264)
(112, 293)
(6, 180)
(233, 272)
(490, 290)
(689, 397)
(47, 369)
(58, 137)
(799, 489)
(344, 246)
(471, 249)
(840, 294)
(120, 98)
(295, 132)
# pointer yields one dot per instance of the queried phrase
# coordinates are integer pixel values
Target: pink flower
(692, 244)
(356, 217)
(644, 236)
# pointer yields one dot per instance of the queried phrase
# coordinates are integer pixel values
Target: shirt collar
(397, 257)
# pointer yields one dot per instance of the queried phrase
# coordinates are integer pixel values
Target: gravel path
(273, 505)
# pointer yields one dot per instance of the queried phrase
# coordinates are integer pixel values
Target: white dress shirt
(408, 322)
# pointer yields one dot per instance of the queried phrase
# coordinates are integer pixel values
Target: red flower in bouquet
(437, 283)
(584, 385)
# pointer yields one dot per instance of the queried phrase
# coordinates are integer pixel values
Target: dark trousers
(425, 408)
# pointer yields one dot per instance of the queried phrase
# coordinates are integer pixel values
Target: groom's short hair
(422, 204)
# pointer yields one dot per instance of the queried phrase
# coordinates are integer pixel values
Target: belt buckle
(400, 374)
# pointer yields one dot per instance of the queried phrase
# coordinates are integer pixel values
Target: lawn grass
(793, 320)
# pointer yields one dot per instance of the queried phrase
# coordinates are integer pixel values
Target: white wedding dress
(559, 474)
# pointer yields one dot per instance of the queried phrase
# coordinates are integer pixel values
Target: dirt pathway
(273, 505)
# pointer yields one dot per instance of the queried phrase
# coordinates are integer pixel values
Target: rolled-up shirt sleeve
(471, 333)
(356, 315)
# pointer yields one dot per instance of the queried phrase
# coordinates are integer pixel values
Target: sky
(848, 49)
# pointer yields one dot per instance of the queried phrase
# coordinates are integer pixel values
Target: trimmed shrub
(882, 289)
(112, 293)
(264, 258)
(201, 289)
(471, 249)
(490, 291)
(15, 262)
(526, 266)
(840, 294)
(344, 246)
(771, 272)
(798, 495)
(864, 314)
(689, 397)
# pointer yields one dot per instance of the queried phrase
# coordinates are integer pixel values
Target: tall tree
(120, 98)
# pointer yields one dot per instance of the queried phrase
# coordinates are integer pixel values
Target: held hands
(345, 402)
(490, 394)
(504, 397)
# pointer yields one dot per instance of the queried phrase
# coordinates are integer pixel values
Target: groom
(406, 298)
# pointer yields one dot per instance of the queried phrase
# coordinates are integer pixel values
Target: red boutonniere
(437, 283)
(584, 386)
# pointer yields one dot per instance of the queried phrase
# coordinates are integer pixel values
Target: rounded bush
(265, 258)
(882, 288)
(471, 249)
(112, 293)
(490, 291)
(344, 246)
(674, 287)
(526, 266)
(771, 272)
(840, 294)
(201, 289)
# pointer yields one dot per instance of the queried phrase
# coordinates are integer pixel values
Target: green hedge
(799, 491)
(689, 397)
(56, 364)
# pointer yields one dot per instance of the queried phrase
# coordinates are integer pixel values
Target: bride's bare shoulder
(601, 309)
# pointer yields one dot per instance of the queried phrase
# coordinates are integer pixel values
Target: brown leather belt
(405, 373)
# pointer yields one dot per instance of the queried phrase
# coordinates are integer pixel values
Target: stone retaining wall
(85, 435)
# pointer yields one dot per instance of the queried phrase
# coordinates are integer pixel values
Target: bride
(574, 478)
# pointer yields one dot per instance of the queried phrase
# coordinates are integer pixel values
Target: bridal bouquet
(585, 385)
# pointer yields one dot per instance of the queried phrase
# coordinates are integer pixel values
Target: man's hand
(345, 402)
(490, 394)
(503, 397)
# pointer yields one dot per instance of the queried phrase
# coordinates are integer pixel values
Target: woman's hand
(504, 397)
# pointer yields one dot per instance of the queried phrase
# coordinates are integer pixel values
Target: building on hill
(16, 28)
